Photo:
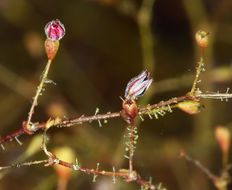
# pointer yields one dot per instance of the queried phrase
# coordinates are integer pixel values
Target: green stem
(38, 93)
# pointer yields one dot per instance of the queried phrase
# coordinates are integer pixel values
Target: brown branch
(141, 111)
(63, 123)
(82, 119)
(171, 101)
(131, 146)
(17, 133)
(23, 164)
(123, 173)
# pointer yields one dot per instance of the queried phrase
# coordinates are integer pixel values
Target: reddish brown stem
(131, 147)
(17, 133)
(121, 173)
(23, 164)
(166, 103)
(199, 165)
(82, 119)
(63, 123)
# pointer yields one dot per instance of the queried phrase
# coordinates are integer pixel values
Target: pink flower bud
(138, 86)
(54, 30)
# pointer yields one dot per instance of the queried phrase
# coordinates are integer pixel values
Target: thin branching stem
(199, 165)
(121, 173)
(220, 96)
(23, 164)
(142, 111)
(131, 146)
(38, 92)
(198, 71)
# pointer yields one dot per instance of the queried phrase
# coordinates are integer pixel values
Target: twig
(23, 164)
(121, 173)
(142, 111)
(198, 71)
(199, 165)
(38, 93)
(131, 146)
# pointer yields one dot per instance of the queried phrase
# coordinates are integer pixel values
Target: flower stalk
(136, 87)
(54, 31)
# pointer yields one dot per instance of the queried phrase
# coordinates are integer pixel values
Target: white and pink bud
(54, 30)
(138, 86)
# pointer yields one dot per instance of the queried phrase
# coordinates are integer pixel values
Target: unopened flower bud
(54, 30)
(222, 136)
(138, 86)
(190, 107)
(202, 38)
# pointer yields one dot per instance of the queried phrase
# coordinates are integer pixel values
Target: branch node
(76, 165)
(27, 128)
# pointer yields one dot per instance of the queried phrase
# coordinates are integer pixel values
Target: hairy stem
(38, 93)
(198, 71)
(121, 173)
(142, 111)
(131, 146)
(23, 164)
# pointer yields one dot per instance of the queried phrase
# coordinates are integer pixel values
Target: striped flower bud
(138, 86)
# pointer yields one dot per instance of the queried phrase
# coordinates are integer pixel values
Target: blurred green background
(108, 42)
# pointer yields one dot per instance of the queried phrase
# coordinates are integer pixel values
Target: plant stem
(147, 45)
(38, 93)
(131, 146)
(198, 71)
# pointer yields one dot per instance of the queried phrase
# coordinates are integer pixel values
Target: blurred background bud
(33, 43)
(222, 136)
(63, 173)
(56, 109)
(202, 38)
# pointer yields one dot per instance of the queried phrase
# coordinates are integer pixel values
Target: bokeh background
(108, 42)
